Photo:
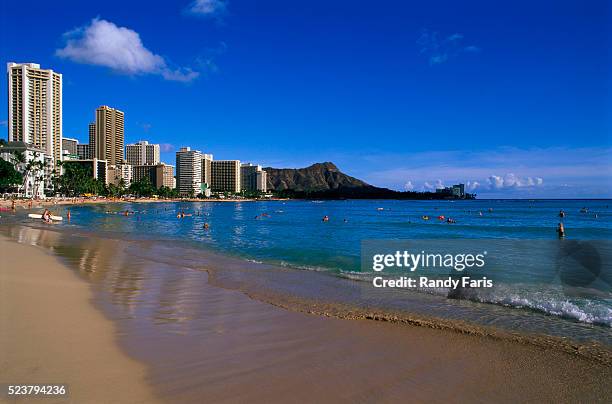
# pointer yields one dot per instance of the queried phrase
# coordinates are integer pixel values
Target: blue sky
(512, 97)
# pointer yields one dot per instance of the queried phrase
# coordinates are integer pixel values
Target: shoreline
(240, 342)
(215, 263)
(52, 334)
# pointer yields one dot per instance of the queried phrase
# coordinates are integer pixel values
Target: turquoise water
(292, 234)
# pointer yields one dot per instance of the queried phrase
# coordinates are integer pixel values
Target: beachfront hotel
(109, 135)
(207, 169)
(142, 153)
(252, 178)
(35, 107)
(69, 146)
(225, 176)
(119, 172)
(38, 178)
(188, 171)
(159, 174)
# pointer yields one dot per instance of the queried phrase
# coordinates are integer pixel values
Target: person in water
(68, 214)
(46, 216)
(561, 213)
(561, 230)
(206, 226)
(325, 218)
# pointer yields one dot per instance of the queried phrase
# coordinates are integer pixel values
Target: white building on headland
(36, 177)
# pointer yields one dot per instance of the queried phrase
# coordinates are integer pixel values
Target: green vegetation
(78, 180)
(10, 179)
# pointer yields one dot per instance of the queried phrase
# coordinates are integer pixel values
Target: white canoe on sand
(37, 216)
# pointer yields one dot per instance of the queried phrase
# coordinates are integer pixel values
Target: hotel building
(84, 151)
(225, 176)
(207, 169)
(142, 153)
(109, 135)
(35, 107)
(37, 179)
(118, 172)
(252, 178)
(188, 171)
(159, 174)
(69, 146)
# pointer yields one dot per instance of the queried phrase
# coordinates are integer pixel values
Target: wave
(521, 296)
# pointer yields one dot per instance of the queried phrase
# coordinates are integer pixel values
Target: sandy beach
(201, 343)
(50, 333)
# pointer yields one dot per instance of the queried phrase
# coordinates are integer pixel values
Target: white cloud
(510, 180)
(103, 43)
(427, 186)
(166, 147)
(439, 49)
(207, 7)
(408, 186)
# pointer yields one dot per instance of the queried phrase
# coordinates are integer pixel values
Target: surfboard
(37, 216)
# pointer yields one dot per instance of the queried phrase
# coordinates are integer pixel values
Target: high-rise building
(207, 169)
(69, 146)
(92, 138)
(142, 153)
(188, 171)
(252, 178)
(84, 151)
(35, 107)
(159, 174)
(225, 176)
(109, 135)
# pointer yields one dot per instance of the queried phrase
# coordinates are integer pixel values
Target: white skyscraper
(188, 171)
(35, 107)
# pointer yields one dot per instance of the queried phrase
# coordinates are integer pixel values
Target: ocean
(283, 250)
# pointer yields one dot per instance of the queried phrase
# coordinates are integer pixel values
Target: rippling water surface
(322, 259)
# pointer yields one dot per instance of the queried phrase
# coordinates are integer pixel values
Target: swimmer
(206, 226)
(561, 213)
(68, 214)
(325, 218)
(561, 230)
(46, 216)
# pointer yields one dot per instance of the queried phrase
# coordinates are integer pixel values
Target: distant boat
(380, 208)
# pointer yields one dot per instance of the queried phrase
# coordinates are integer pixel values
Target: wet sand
(50, 333)
(203, 343)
